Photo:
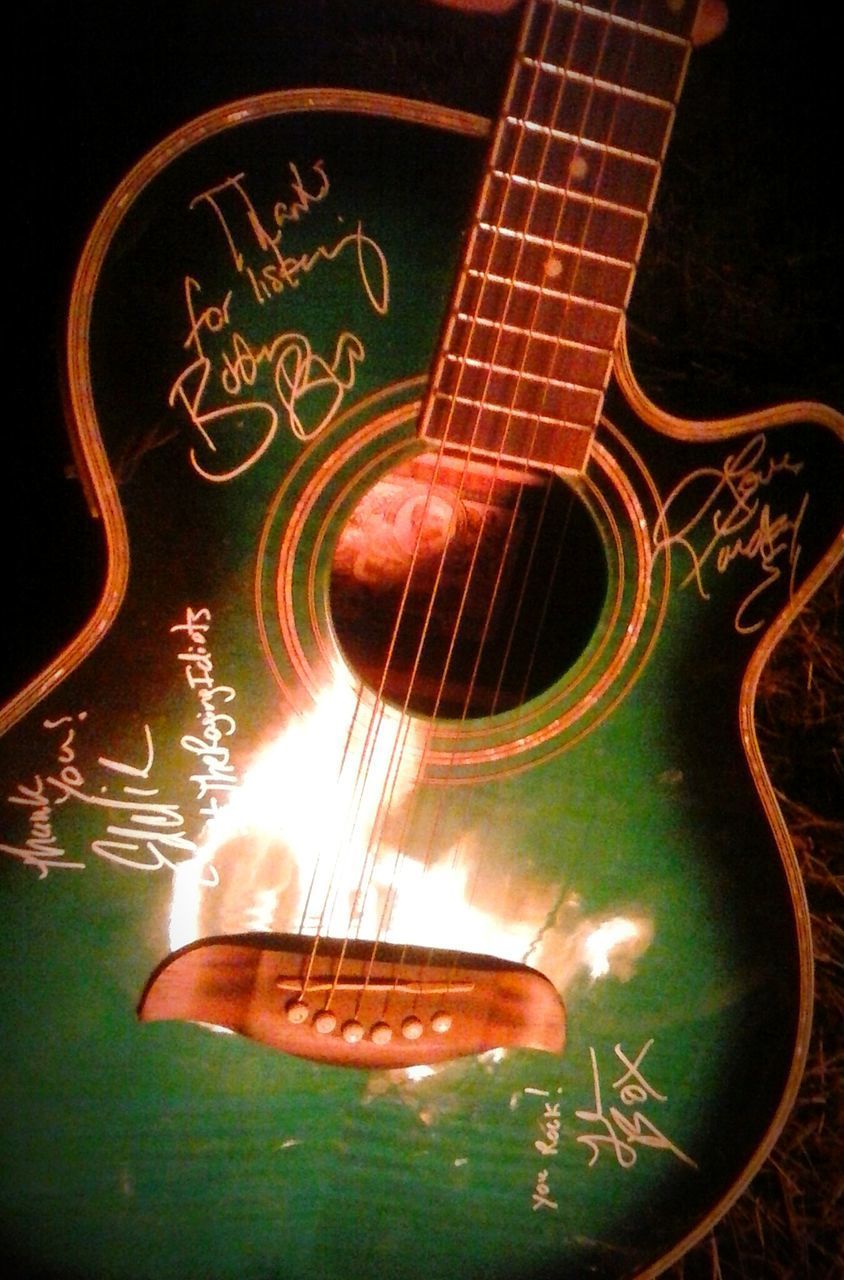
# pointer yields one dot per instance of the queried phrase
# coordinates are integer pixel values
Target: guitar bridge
(356, 1003)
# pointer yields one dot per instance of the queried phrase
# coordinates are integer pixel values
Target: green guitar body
(250, 333)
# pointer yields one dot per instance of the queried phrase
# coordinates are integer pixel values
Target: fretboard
(551, 254)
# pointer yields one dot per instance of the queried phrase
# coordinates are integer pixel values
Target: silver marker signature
(735, 523)
(622, 1131)
(244, 230)
(237, 389)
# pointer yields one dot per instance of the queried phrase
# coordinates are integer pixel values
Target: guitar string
(561, 208)
(370, 861)
(470, 574)
(529, 332)
(552, 59)
(534, 75)
(484, 273)
(391, 771)
(530, 113)
(608, 133)
(366, 753)
(535, 80)
(555, 238)
(629, 141)
(498, 235)
(558, 238)
(495, 152)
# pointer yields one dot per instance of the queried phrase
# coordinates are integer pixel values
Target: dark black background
(739, 296)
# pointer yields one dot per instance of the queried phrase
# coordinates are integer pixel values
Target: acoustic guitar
(392, 883)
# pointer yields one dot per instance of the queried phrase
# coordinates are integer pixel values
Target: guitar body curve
(174, 775)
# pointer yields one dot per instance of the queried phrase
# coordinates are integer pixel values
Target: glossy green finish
(634, 832)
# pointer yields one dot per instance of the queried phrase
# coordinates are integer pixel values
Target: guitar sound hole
(463, 593)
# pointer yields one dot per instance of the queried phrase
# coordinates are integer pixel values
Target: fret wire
(560, 246)
(608, 86)
(511, 411)
(571, 319)
(617, 20)
(574, 198)
(570, 195)
(542, 289)
(474, 363)
(502, 455)
(590, 109)
(623, 52)
(618, 178)
(532, 127)
(538, 334)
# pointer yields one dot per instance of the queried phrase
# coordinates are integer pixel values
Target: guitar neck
(551, 254)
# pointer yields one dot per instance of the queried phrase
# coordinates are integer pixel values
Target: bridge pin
(381, 1033)
(297, 1011)
(412, 1028)
(441, 1022)
(325, 1022)
(351, 1031)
